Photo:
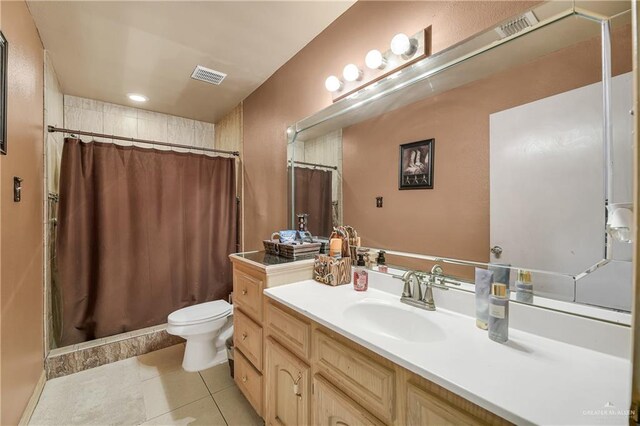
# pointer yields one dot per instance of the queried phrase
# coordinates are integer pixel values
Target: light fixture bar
(389, 63)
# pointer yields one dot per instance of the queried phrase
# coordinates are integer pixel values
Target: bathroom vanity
(252, 273)
(308, 353)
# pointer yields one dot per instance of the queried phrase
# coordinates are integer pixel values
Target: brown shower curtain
(141, 233)
(313, 193)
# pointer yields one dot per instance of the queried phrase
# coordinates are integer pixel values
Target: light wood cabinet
(351, 384)
(291, 331)
(331, 407)
(287, 387)
(294, 371)
(247, 336)
(366, 380)
(425, 408)
(247, 291)
(250, 278)
(249, 380)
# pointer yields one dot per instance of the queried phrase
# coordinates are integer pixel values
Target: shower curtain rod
(53, 129)
(316, 165)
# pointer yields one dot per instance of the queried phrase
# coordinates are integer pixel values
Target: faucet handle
(437, 270)
(406, 277)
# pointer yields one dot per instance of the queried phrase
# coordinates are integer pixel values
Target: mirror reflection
(519, 176)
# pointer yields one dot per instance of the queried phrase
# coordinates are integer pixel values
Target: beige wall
(22, 223)
(297, 89)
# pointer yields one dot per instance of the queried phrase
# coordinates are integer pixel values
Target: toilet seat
(200, 313)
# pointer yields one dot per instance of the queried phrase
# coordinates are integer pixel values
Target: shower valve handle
(244, 291)
(244, 336)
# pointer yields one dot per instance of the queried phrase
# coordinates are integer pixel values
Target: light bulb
(351, 73)
(333, 83)
(375, 60)
(401, 44)
(137, 97)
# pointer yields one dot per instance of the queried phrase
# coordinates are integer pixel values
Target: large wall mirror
(532, 159)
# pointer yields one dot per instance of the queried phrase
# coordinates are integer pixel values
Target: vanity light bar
(403, 51)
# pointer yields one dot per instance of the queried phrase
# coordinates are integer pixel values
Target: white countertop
(528, 380)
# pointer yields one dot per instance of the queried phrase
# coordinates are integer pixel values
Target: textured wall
(229, 137)
(22, 223)
(297, 89)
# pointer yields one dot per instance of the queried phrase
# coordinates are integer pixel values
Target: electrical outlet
(379, 202)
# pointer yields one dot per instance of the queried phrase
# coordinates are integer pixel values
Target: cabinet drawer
(289, 330)
(247, 293)
(247, 336)
(425, 408)
(287, 387)
(365, 380)
(332, 407)
(248, 380)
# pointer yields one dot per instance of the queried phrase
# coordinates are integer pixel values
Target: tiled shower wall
(53, 116)
(102, 117)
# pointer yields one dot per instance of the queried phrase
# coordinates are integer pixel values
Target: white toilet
(206, 327)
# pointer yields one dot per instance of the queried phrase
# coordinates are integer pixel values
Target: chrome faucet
(413, 295)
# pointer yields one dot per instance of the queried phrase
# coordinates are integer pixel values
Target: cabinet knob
(244, 291)
(244, 379)
(244, 336)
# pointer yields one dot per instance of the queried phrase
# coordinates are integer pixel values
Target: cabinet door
(332, 408)
(425, 408)
(287, 387)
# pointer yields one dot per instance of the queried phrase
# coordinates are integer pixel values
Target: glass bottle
(360, 275)
(499, 313)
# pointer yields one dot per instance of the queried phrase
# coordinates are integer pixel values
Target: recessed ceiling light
(137, 97)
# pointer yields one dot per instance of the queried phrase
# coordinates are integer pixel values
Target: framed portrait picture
(416, 165)
(3, 93)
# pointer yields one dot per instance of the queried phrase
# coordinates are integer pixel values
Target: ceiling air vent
(515, 26)
(208, 75)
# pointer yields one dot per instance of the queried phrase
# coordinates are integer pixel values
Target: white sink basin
(397, 322)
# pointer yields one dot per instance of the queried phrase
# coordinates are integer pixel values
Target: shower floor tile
(149, 389)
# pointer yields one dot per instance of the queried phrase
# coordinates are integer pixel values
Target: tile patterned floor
(149, 389)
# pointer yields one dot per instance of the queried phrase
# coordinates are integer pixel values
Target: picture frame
(415, 168)
(4, 55)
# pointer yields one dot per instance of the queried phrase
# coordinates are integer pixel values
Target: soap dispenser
(360, 275)
(381, 261)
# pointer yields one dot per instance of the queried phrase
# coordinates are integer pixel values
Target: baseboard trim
(33, 401)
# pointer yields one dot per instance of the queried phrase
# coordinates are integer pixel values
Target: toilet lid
(199, 313)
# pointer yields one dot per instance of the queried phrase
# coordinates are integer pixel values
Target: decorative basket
(270, 246)
(331, 271)
(291, 251)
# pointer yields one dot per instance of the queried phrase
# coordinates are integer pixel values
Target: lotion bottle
(499, 313)
(360, 275)
(484, 279)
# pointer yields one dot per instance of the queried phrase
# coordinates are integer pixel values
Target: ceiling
(104, 50)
